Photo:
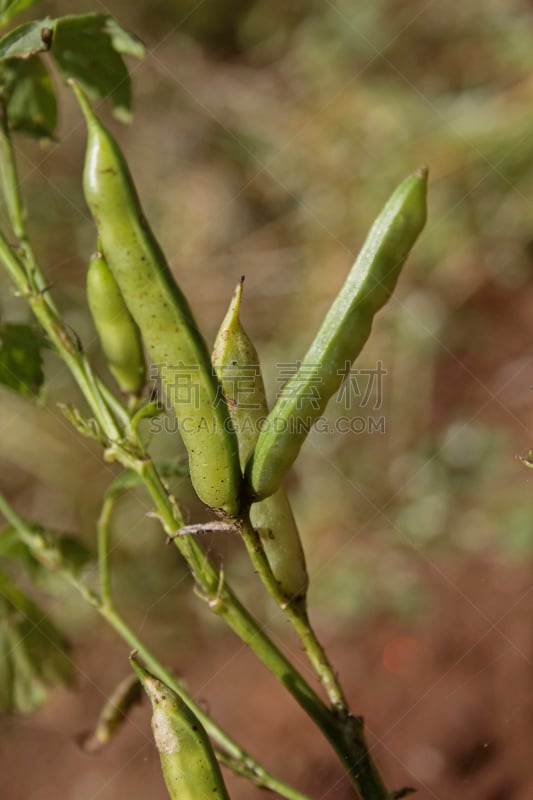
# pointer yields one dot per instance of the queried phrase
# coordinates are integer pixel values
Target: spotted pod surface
(341, 337)
(237, 364)
(163, 316)
(188, 762)
(119, 335)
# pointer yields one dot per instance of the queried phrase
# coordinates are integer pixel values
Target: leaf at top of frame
(28, 39)
(8, 8)
(86, 47)
(89, 48)
(31, 101)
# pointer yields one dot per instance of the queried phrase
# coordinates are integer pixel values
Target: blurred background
(266, 137)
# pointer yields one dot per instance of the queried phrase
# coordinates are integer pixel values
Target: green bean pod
(237, 364)
(117, 331)
(341, 337)
(164, 317)
(189, 764)
(114, 714)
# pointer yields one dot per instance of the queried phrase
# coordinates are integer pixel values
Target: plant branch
(296, 612)
(102, 530)
(231, 754)
(344, 732)
(206, 575)
(66, 344)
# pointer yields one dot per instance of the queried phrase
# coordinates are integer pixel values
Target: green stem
(274, 785)
(15, 206)
(222, 601)
(343, 732)
(296, 613)
(31, 283)
(232, 754)
(9, 177)
(356, 754)
(102, 529)
(64, 342)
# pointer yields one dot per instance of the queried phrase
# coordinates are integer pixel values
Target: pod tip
(81, 97)
(237, 297)
(423, 171)
(141, 673)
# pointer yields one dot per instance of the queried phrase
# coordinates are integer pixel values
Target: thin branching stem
(295, 611)
(344, 732)
(229, 751)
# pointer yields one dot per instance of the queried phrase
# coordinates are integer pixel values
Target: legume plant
(239, 452)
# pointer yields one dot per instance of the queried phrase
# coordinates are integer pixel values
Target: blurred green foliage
(266, 138)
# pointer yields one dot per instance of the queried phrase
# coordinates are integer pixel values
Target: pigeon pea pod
(237, 364)
(341, 337)
(164, 317)
(117, 331)
(189, 764)
(114, 714)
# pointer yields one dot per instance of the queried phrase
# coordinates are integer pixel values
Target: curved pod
(164, 317)
(117, 331)
(237, 364)
(188, 762)
(341, 337)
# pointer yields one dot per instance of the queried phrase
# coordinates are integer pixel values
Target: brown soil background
(455, 720)
(448, 695)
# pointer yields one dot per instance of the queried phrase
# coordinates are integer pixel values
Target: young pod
(164, 317)
(189, 765)
(114, 714)
(117, 331)
(237, 364)
(341, 337)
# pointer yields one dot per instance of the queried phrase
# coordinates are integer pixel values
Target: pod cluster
(237, 364)
(132, 289)
(163, 315)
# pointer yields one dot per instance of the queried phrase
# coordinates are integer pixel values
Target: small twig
(113, 420)
(102, 529)
(216, 526)
(229, 751)
(297, 615)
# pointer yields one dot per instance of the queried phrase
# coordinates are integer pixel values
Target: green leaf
(44, 548)
(12, 548)
(122, 40)
(124, 482)
(33, 653)
(8, 8)
(21, 367)
(128, 480)
(28, 39)
(89, 48)
(88, 427)
(174, 468)
(31, 102)
(148, 411)
(61, 551)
